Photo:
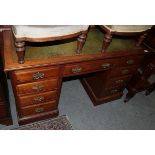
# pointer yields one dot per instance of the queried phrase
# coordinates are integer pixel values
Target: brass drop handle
(77, 70)
(38, 110)
(114, 91)
(125, 71)
(38, 88)
(119, 81)
(38, 75)
(106, 65)
(38, 99)
(130, 62)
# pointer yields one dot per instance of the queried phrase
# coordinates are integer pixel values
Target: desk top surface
(64, 52)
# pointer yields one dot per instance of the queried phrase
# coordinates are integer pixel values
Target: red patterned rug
(58, 123)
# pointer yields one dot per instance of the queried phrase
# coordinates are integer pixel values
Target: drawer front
(122, 71)
(119, 81)
(130, 60)
(86, 67)
(37, 87)
(112, 91)
(37, 99)
(32, 75)
(38, 109)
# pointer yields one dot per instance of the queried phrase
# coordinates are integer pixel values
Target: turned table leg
(141, 39)
(20, 50)
(106, 41)
(81, 41)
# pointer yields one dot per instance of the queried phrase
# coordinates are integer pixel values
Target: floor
(138, 113)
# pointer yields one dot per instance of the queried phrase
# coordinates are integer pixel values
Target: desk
(37, 82)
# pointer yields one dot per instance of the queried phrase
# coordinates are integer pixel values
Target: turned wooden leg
(106, 41)
(81, 41)
(141, 39)
(20, 50)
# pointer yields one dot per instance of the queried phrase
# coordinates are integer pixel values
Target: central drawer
(37, 99)
(37, 87)
(86, 67)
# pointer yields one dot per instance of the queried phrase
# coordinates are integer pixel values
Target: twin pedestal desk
(37, 83)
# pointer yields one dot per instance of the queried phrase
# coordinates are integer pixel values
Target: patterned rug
(59, 123)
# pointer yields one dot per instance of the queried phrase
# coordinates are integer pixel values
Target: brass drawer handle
(38, 88)
(125, 71)
(114, 91)
(119, 81)
(39, 99)
(77, 70)
(38, 75)
(106, 65)
(130, 62)
(38, 110)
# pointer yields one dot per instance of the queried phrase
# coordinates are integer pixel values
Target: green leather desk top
(67, 47)
(62, 52)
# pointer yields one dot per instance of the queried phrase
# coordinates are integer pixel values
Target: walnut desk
(37, 83)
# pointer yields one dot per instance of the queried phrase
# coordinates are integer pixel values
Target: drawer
(119, 81)
(38, 109)
(36, 74)
(37, 87)
(86, 67)
(37, 99)
(130, 60)
(112, 91)
(123, 71)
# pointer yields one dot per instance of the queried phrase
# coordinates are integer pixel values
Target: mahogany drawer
(86, 67)
(37, 109)
(37, 99)
(37, 87)
(35, 74)
(122, 71)
(118, 81)
(112, 91)
(130, 60)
